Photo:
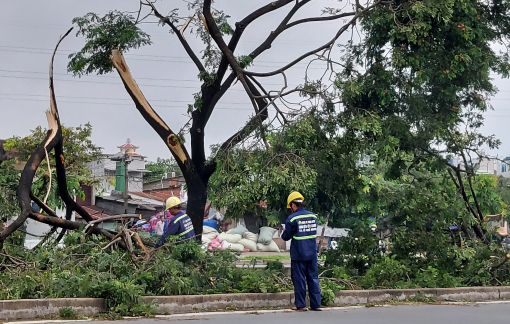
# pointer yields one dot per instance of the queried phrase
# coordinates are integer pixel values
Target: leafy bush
(67, 313)
(327, 292)
(418, 265)
(275, 266)
(82, 269)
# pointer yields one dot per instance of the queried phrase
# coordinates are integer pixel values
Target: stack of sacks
(249, 241)
(265, 241)
(230, 239)
(240, 239)
(208, 234)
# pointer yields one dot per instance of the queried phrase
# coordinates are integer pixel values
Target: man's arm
(170, 230)
(287, 233)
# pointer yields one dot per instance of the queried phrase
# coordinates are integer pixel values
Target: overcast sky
(29, 29)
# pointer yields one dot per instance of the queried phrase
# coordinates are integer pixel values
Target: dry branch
(196, 185)
(27, 176)
(121, 217)
(111, 243)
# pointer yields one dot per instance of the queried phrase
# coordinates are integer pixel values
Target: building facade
(110, 174)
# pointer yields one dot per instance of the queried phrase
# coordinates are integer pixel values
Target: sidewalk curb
(33, 308)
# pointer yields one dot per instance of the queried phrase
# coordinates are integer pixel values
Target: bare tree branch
(325, 46)
(183, 41)
(274, 34)
(215, 33)
(314, 19)
(27, 176)
(241, 27)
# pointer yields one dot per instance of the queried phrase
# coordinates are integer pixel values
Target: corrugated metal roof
(159, 196)
(143, 204)
(96, 212)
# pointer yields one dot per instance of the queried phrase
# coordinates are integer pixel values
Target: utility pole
(125, 161)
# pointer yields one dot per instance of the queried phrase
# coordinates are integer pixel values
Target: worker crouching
(301, 227)
(180, 226)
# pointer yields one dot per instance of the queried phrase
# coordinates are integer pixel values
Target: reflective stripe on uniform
(308, 237)
(179, 218)
(186, 232)
(302, 216)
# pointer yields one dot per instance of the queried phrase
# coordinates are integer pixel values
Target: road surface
(480, 313)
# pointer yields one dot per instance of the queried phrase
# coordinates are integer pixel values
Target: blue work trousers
(303, 273)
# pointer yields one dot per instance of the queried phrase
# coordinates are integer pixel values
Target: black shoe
(316, 309)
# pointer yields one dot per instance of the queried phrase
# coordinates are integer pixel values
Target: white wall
(107, 180)
(39, 229)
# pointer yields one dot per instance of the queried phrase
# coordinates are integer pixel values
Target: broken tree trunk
(197, 194)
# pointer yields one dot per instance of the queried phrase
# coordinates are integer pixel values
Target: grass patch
(267, 257)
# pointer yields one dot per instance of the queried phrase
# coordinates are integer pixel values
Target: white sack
(231, 238)
(271, 247)
(232, 246)
(251, 236)
(249, 244)
(209, 229)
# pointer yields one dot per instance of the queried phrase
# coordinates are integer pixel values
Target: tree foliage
(9, 179)
(81, 267)
(115, 30)
(159, 168)
(79, 150)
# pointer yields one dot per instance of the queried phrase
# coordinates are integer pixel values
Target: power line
(114, 104)
(117, 78)
(87, 81)
(153, 34)
(158, 60)
(50, 51)
(103, 98)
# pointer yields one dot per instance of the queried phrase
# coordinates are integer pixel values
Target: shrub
(67, 313)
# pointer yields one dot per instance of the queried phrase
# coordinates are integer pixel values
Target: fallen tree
(219, 69)
(54, 141)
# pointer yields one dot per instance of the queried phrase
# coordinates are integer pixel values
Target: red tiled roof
(128, 145)
(96, 212)
(160, 196)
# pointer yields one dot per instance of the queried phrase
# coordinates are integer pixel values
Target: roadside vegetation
(387, 144)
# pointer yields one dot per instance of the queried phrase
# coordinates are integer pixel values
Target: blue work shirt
(180, 226)
(301, 227)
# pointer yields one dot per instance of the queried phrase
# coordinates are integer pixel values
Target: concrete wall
(31, 308)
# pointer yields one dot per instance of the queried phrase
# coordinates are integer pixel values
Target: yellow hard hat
(293, 196)
(172, 202)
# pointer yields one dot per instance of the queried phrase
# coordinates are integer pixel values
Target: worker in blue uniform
(180, 225)
(301, 227)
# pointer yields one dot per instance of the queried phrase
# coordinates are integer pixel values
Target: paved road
(423, 314)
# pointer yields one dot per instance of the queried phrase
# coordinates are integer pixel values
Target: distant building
(106, 198)
(485, 165)
(493, 165)
(110, 173)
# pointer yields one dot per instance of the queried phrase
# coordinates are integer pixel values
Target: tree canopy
(411, 93)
